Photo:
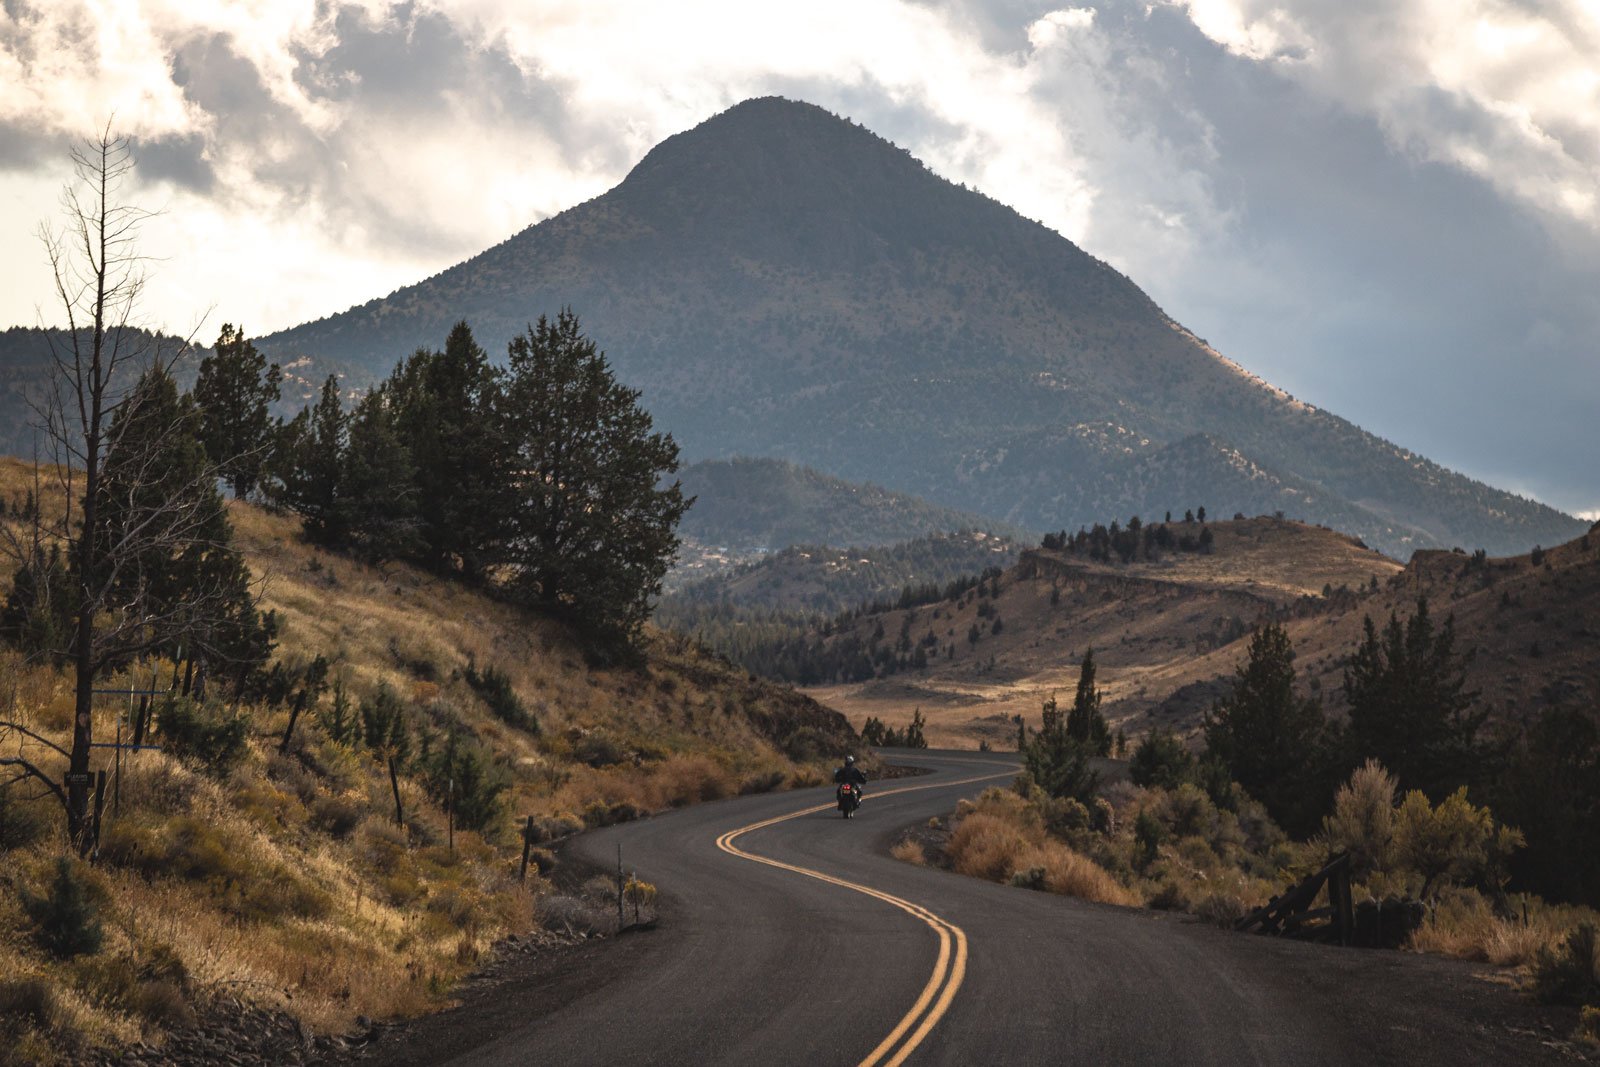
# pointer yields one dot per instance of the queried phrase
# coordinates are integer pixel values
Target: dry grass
(1464, 925)
(287, 882)
(909, 850)
(1000, 839)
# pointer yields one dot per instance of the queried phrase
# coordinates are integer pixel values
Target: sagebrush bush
(1362, 822)
(1570, 974)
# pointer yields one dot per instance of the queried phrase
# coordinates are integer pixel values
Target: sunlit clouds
(1327, 190)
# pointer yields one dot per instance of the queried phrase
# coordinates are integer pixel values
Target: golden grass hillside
(1167, 635)
(285, 880)
(1162, 630)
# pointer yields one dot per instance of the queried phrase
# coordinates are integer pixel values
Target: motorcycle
(849, 798)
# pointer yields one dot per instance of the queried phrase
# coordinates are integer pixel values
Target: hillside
(770, 504)
(781, 282)
(283, 879)
(1168, 634)
(747, 508)
(810, 580)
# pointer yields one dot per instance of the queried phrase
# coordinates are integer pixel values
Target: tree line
(1408, 709)
(543, 481)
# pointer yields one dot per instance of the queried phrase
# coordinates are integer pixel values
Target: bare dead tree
(114, 505)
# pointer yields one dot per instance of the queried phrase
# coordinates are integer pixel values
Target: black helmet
(849, 760)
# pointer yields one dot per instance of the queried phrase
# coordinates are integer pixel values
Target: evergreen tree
(1161, 760)
(37, 617)
(1085, 723)
(189, 591)
(1271, 741)
(444, 405)
(1409, 705)
(309, 466)
(593, 526)
(234, 391)
(376, 504)
(1057, 762)
(1551, 789)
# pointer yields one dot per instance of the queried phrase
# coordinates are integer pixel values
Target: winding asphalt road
(791, 937)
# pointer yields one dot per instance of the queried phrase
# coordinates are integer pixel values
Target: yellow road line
(948, 970)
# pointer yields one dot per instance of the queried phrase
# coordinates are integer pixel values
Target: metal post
(116, 783)
(527, 846)
(450, 813)
(621, 921)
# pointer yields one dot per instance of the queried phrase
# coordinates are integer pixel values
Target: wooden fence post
(527, 846)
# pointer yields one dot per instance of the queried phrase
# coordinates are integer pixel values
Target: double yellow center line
(948, 970)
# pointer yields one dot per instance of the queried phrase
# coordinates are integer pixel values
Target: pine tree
(1057, 762)
(1085, 723)
(376, 504)
(444, 413)
(593, 524)
(234, 391)
(1409, 705)
(37, 617)
(1271, 741)
(190, 591)
(308, 466)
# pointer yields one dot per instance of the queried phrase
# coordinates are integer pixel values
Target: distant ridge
(780, 281)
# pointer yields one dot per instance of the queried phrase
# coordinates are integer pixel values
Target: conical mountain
(780, 281)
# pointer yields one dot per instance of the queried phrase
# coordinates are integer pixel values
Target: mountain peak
(780, 281)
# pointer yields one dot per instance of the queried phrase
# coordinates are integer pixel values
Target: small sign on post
(73, 778)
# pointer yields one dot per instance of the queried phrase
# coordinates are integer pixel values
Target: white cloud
(1508, 92)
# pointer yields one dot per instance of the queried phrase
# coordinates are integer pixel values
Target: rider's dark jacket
(849, 773)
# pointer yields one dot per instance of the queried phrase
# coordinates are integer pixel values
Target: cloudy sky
(1391, 208)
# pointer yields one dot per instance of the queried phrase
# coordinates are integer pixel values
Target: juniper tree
(1271, 741)
(444, 412)
(376, 502)
(1057, 762)
(593, 518)
(307, 467)
(1410, 708)
(1085, 723)
(234, 391)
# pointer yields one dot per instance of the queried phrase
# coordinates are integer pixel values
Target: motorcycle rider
(850, 774)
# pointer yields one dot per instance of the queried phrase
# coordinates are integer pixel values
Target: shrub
(1362, 822)
(202, 734)
(466, 777)
(598, 748)
(162, 1002)
(1571, 973)
(598, 813)
(762, 782)
(1148, 834)
(1451, 843)
(1161, 759)
(551, 827)
(21, 823)
(1221, 907)
(337, 816)
(494, 687)
(986, 845)
(909, 850)
(33, 1000)
(67, 919)
(574, 914)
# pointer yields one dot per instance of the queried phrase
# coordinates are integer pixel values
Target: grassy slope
(287, 882)
(1167, 635)
(1156, 628)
